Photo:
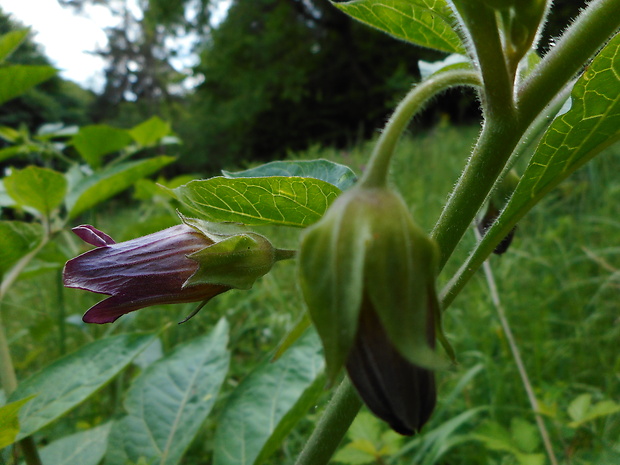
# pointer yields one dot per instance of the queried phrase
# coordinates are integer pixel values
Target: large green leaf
(100, 186)
(16, 240)
(269, 403)
(339, 175)
(590, 125)
(286, 201)
(83, 448)
(10, 41)
(40, 188)
(150, 131)
(167, 404)
(17, 79)
(72, 379)
(93, 142)
(429, 23)
(9, 421)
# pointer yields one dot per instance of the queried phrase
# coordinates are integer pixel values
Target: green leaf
(574, 138)
(9, 421)
(17, 79)
(579, 407)
(339, 175)
(9, 134)
(94, 189)
(167, 404)
(9, 152)
(293, 335)
(495, 437)
(16, 240)
(525, 435)
(10, 41)
(285, 201)
(369, 441)
(83, 448)
(530, 459)
(428, 23)
(72, 379)
(268, 404)
(150, 131)
(437, 442)
(582, 411)
(40, 188)
(49, 131)
(591, 124)
(93, 142)
(357, 452)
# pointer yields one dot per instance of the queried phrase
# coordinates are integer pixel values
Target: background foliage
(287, 77)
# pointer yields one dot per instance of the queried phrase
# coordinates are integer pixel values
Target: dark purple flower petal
(110, 309)
(394, 389)
(149, 270)
(92, 236)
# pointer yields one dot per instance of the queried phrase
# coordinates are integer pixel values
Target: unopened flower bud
(366, 260)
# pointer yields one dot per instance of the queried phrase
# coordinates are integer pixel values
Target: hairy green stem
(481, 24)
(487, 162)
(502, 131)
(414, 101)
(284, 254)
(332, 426)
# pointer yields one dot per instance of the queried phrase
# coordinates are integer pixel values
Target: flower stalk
(379, 164)
(332, 426)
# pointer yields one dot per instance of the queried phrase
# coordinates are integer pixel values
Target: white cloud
(65, 37)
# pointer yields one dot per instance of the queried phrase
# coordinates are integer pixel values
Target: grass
(559, 283)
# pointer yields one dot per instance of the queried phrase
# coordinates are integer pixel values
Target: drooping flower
(368, 277)
(190, 262)
(396, 390)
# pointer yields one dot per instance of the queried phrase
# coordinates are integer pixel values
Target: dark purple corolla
(149, 270)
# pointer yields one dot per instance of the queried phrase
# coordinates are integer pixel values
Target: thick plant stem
(493, 150)
(502, 130)
(481, 24)
(414, 101)
(516, 354)
(332, 426)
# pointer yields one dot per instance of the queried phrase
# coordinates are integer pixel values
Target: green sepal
(368, 247)
(236, 261)
(331, 264)
(401, 267)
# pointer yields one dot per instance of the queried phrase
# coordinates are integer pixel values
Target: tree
(56, 100)
(140, 77)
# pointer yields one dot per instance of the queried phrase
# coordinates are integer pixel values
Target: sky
(67, 38)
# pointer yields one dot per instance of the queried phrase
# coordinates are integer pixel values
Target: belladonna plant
(190, 262)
